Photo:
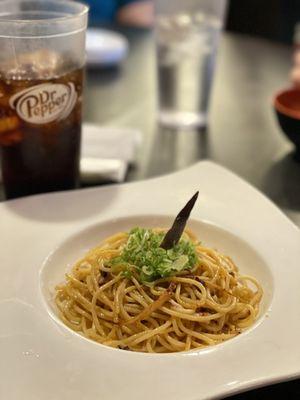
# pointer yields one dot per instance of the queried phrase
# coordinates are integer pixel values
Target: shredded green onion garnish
(143, 254)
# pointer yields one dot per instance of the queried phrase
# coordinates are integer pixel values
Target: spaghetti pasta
(192, 308)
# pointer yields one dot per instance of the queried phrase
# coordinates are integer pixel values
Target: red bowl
(287, 107)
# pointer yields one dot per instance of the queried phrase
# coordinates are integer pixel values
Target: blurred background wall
(272, 19)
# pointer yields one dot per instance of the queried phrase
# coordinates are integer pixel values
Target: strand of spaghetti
(119, 333)
(139, 299)
(197, 318)
(259, 293)
(131, 308)
(179, 308)
(75, 282)
(110, 283)
(149, 346)
(90, 285)
(201, 336)
(127, 309)
(101, 312)
(70, 315)
(160, 316)
(191, 282)
(118, 299)
(82, 312)
(102, 268)
(150, 333)
(198, 345)
(102, 297)
(213, 285)
(140, 337)
(188, 343)
(83, 326)
(95, 272)
(221, 336)
(127, 330)
(224, 308)
(176, 328)
(154, 322)
(248, 320)
(184, 301)
(112, 334)
(75, 327)
(141, 290)
(95, 316)
(218, 326)
(163, 298)
(165, 344)
(180, 346)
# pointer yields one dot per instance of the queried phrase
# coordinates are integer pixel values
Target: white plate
(42, 359)
(104, 47)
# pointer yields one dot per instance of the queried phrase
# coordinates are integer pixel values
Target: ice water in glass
(186, 51)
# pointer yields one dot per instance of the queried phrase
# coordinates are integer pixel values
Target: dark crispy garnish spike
(173, 235)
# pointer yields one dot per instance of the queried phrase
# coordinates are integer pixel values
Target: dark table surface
(243, 134)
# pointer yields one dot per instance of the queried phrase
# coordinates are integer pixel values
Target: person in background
(295, 73)
(137, 13)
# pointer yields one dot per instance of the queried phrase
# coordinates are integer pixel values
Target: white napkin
(106, 152)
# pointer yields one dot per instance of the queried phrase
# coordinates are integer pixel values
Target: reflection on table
(242, 135)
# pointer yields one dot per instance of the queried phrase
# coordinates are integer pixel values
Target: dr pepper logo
(45, 103)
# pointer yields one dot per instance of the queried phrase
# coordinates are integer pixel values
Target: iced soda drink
(40, 125)
(42, 56)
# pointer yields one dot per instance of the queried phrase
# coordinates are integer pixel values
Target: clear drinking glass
(42, 56)
(187, 36)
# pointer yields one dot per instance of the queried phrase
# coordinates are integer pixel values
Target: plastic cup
(42, 57)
